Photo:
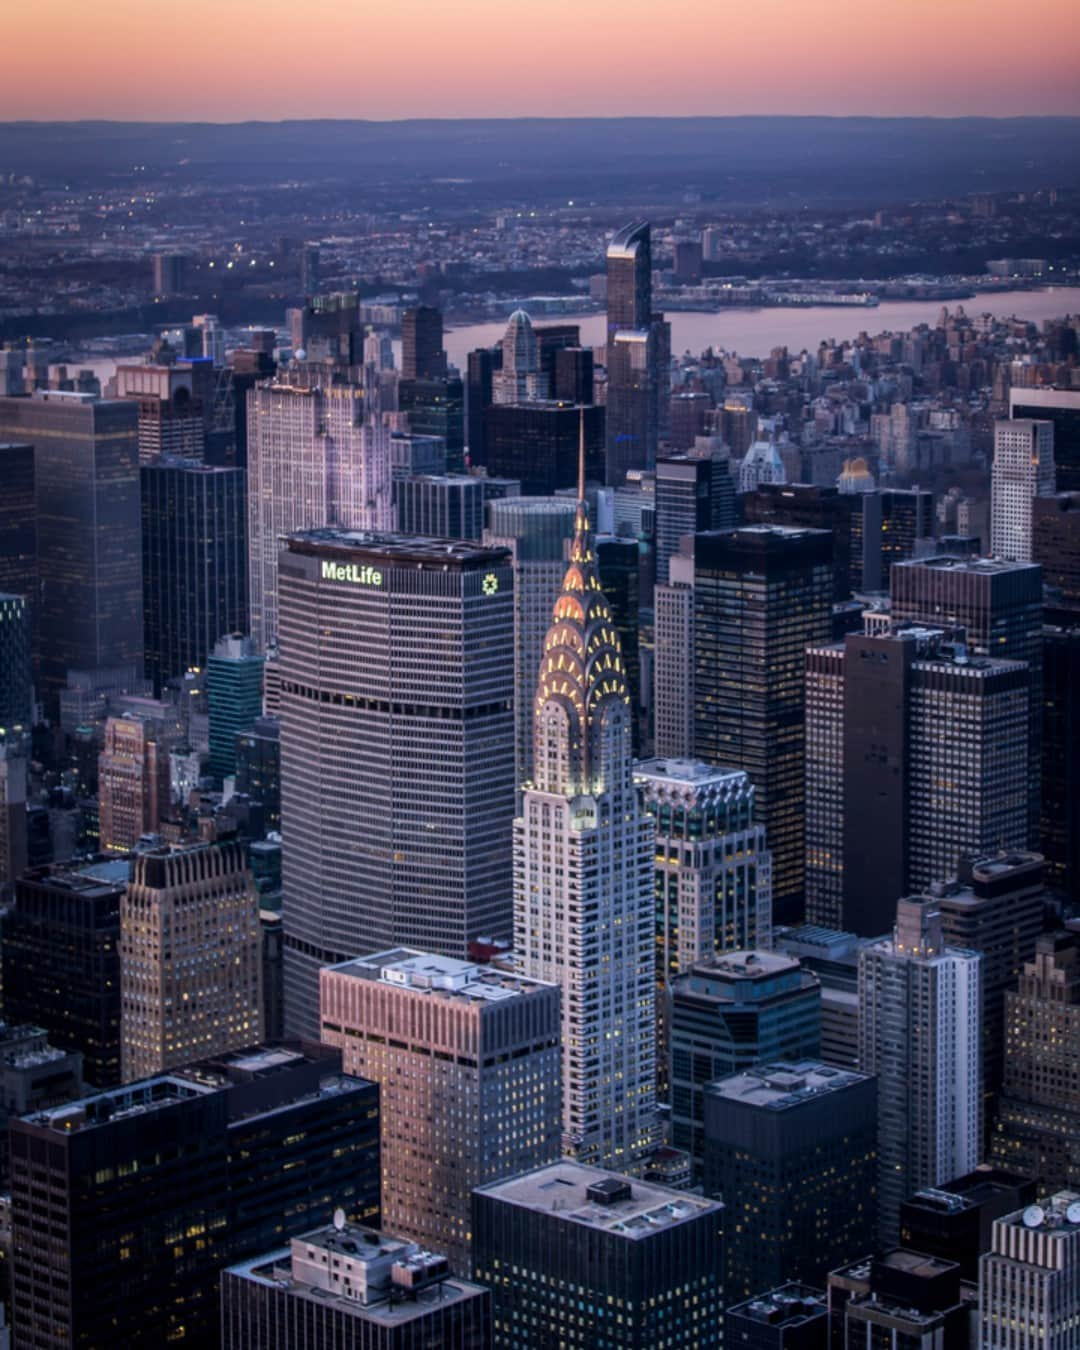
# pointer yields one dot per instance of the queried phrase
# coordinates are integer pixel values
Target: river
(755, 332)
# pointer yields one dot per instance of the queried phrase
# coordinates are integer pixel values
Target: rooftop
(615, 1204)
(394, 548)
(689, 772)
(781, 1086)
(440, 976)
(1058, 1216)
(786, 1306)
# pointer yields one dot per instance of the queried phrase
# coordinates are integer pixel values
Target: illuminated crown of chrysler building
(583, 872)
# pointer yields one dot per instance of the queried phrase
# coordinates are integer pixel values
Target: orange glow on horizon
(235, 60)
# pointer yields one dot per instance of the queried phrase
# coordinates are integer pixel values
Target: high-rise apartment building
(579, 1257)
(694, 493)
(314, 459)
(762, 594)
(234, 687)
(468, 1066)
(86, 485)
(777, 1138)
(195, 564)
(397, 798)
(638, 356)
(729, 1014)
(1038, 1127)
(1023, 470)
(537, 531)
(916, 744)
(190, 956)
(133, 780)
(1060, 407)
(62, 962)
(920, 1009)
(583, 906)
(673, 661)
(126, 1206)
(422, 354)
(1029, 1283)
(713, 873)
(999, 606)
(994, 906)
(344, 1285)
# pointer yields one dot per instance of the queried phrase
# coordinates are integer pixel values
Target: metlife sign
(359, 576)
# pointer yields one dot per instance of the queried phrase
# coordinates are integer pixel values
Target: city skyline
(75, 62)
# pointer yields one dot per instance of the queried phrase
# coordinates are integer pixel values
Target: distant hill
(730, 159)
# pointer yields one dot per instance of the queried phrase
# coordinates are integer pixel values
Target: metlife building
(397, 750)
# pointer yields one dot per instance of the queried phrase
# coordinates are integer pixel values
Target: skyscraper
(195, 563)
(537, 443)
(583, 907)
(62, 962)
(1029, 1283)
(730, 1013)
(999, 606)
(18, 525)
(480, 371)
(576, 1256)
(163, 1182)
(673, 661)
(314, 459)
(1060, 821)
(86, 484)
(133, 780)
(190, 958)
(234, 685)
(948, 773)
(1055, 544)
(920, 1008)
(1023, 470)
(437, 408)
(694, 493)
(422, 355)
(16, 684)
(447, 506)
(467, 1061)
(713, 873)
(638, 356)
(777, 1139)
(1061, 407)
(13, 818)
(536, 531)
(398, 798)
(1038, 1127)
(761, 595)
(519, 378)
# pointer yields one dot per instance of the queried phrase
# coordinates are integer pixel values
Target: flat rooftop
(391, 548)
(614, 1204)
(689, 773)
(785, 1306)
(440, 976)
(949, 562)
(783, 1086)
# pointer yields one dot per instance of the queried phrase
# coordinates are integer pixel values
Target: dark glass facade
(482, 365)
(16, 684)
(62, 965)
(792, 1148)
(127, 1206)
(195, 566)
(762, 594)
(258, 768)
(86, 472)
(537, 443)
(1060, 821)
(1055, 543)
(560, 1276)
(436, 407)
(18, 527)
(422, 355)
(694, 493)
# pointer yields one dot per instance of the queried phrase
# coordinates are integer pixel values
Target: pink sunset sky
(230, 60)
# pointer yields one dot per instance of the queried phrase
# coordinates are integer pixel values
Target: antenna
(581, 453)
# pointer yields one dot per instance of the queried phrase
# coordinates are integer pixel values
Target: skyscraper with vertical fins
(583, 873)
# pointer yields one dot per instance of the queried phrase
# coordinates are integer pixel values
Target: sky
(235, 60)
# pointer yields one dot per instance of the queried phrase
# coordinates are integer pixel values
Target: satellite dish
(1073, 1212)
(1033, 1216)
(339, 1219)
